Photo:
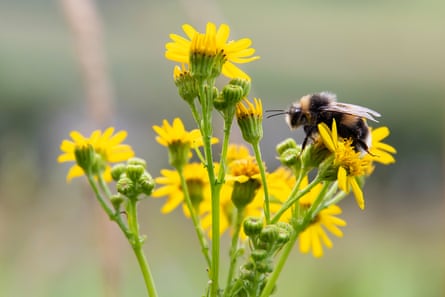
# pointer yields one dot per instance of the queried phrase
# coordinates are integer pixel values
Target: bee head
(295, 116)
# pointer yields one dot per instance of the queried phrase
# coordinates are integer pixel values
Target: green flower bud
(291, 158)
(285, 227)
(259, 254)
(137, 161)
(134, 172)
(117, 171)
(243, 83)
(283, 237)
(125, 186)
(265, 266)
(286, 144)
(232, 94)
(146, 183)
(116, 201)
(253, 226)
(269, 234)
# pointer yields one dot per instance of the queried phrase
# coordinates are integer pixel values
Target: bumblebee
(323, 107)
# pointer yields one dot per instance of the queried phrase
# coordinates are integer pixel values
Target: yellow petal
(358, 194)
(342, 180)
(325, 134)
(75, 171)
(69, 157)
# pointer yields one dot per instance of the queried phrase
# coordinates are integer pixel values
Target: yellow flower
(174, 134)
(179, 141)
(351, 164)
(237, 152)
(233, 51)
(106, 145)
(314, 236)
(198, 187)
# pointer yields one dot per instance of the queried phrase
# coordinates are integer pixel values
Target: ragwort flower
(179, 141)
(351, 164)
(107, 147)
(179, 50)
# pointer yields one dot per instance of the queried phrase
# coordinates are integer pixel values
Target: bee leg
(303, 145)
(362, 145)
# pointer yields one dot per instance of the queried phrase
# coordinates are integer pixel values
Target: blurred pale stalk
(85, 25)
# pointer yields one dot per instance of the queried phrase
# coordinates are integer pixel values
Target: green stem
(136, 243)
(195, 219)
(257, 151)
(289, 246)
(108, 210)
(234, 248)
(206, 97)
(294, 197)
(196, 115)
(337, 198)
(146, 272)
(131, 232)
(280, 265)
(225, 146)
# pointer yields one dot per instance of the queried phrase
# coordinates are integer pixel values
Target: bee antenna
(277, 112)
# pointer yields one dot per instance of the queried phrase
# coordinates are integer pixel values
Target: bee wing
(352, 109)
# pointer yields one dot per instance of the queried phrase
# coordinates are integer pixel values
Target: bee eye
(297, 118)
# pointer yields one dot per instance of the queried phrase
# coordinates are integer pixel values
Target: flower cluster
(270, 210)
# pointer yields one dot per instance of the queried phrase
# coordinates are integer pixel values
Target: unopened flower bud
(269, 234)
(265, 266)
(259, 254)
(117, 171)
(252, 226)
(291, 158)
(147, 183)
(116, 201)
(232, 94)
(134, 172)
(137, 161)
(286, 144)
(186, 83)
(243, 83)
(125, 186)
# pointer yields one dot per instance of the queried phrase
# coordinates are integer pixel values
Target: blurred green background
(386, 55)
